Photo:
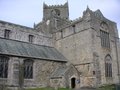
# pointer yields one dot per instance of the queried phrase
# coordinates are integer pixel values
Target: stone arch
(73, 81)
(104, 26)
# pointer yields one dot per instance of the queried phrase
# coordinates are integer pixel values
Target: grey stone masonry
(90, 46)
(21, 33)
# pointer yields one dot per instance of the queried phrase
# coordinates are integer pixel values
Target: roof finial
(44, 2)
(87, 6)
(44, 5)
(88, 9)
(67, 1)
(34, 25)
(66, 4)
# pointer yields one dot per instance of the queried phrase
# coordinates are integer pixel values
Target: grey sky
(26, 12)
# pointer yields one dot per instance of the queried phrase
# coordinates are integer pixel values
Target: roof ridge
(1, 21)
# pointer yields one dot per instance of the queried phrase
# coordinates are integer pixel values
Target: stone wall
(75, 45)
(75, 42)
(42, 70)
(102, 52)
(81, 45)
(21, 33)
(48, 11)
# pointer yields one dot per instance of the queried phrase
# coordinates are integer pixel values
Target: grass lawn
(107, 87)
(47, 89)
(40, 89)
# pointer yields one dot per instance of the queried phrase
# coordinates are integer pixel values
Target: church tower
(61, 11)
(54, 17)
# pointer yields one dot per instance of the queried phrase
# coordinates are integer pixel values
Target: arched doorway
(73, 82)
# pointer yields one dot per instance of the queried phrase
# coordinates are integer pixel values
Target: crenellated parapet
(55, 6)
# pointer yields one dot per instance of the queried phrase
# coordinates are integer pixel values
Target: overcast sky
(26, 12)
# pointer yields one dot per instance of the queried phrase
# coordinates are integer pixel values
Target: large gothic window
(28, 69)
(3, 67)
(108, 66)
(104, 34)
(105, 42)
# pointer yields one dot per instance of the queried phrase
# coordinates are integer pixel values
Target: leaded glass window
(105, 42)
(3, 67)
(28, 69)
(108, 66)
(7, 34)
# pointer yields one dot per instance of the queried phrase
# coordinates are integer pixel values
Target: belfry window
(7, 34)
(108, 66)
(3, 67)
(105, 42)
(28, 69)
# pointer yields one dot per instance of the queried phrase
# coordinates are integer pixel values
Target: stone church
(59, 52)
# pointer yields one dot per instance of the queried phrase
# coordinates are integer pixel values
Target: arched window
(3, 67)
(104, 34)
(108, 66)
(28, 69)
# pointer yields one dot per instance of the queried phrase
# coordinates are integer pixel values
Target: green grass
(40, 89)
(47, 89)
(64, 89)
(107, 87)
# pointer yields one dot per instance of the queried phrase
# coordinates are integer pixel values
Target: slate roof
(24, 49)
(59, 72)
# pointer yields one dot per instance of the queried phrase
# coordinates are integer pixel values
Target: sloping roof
(59, 72)
(9, 23)
(24, 49)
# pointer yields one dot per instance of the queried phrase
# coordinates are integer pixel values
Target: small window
(31, 38)
(7, 34)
